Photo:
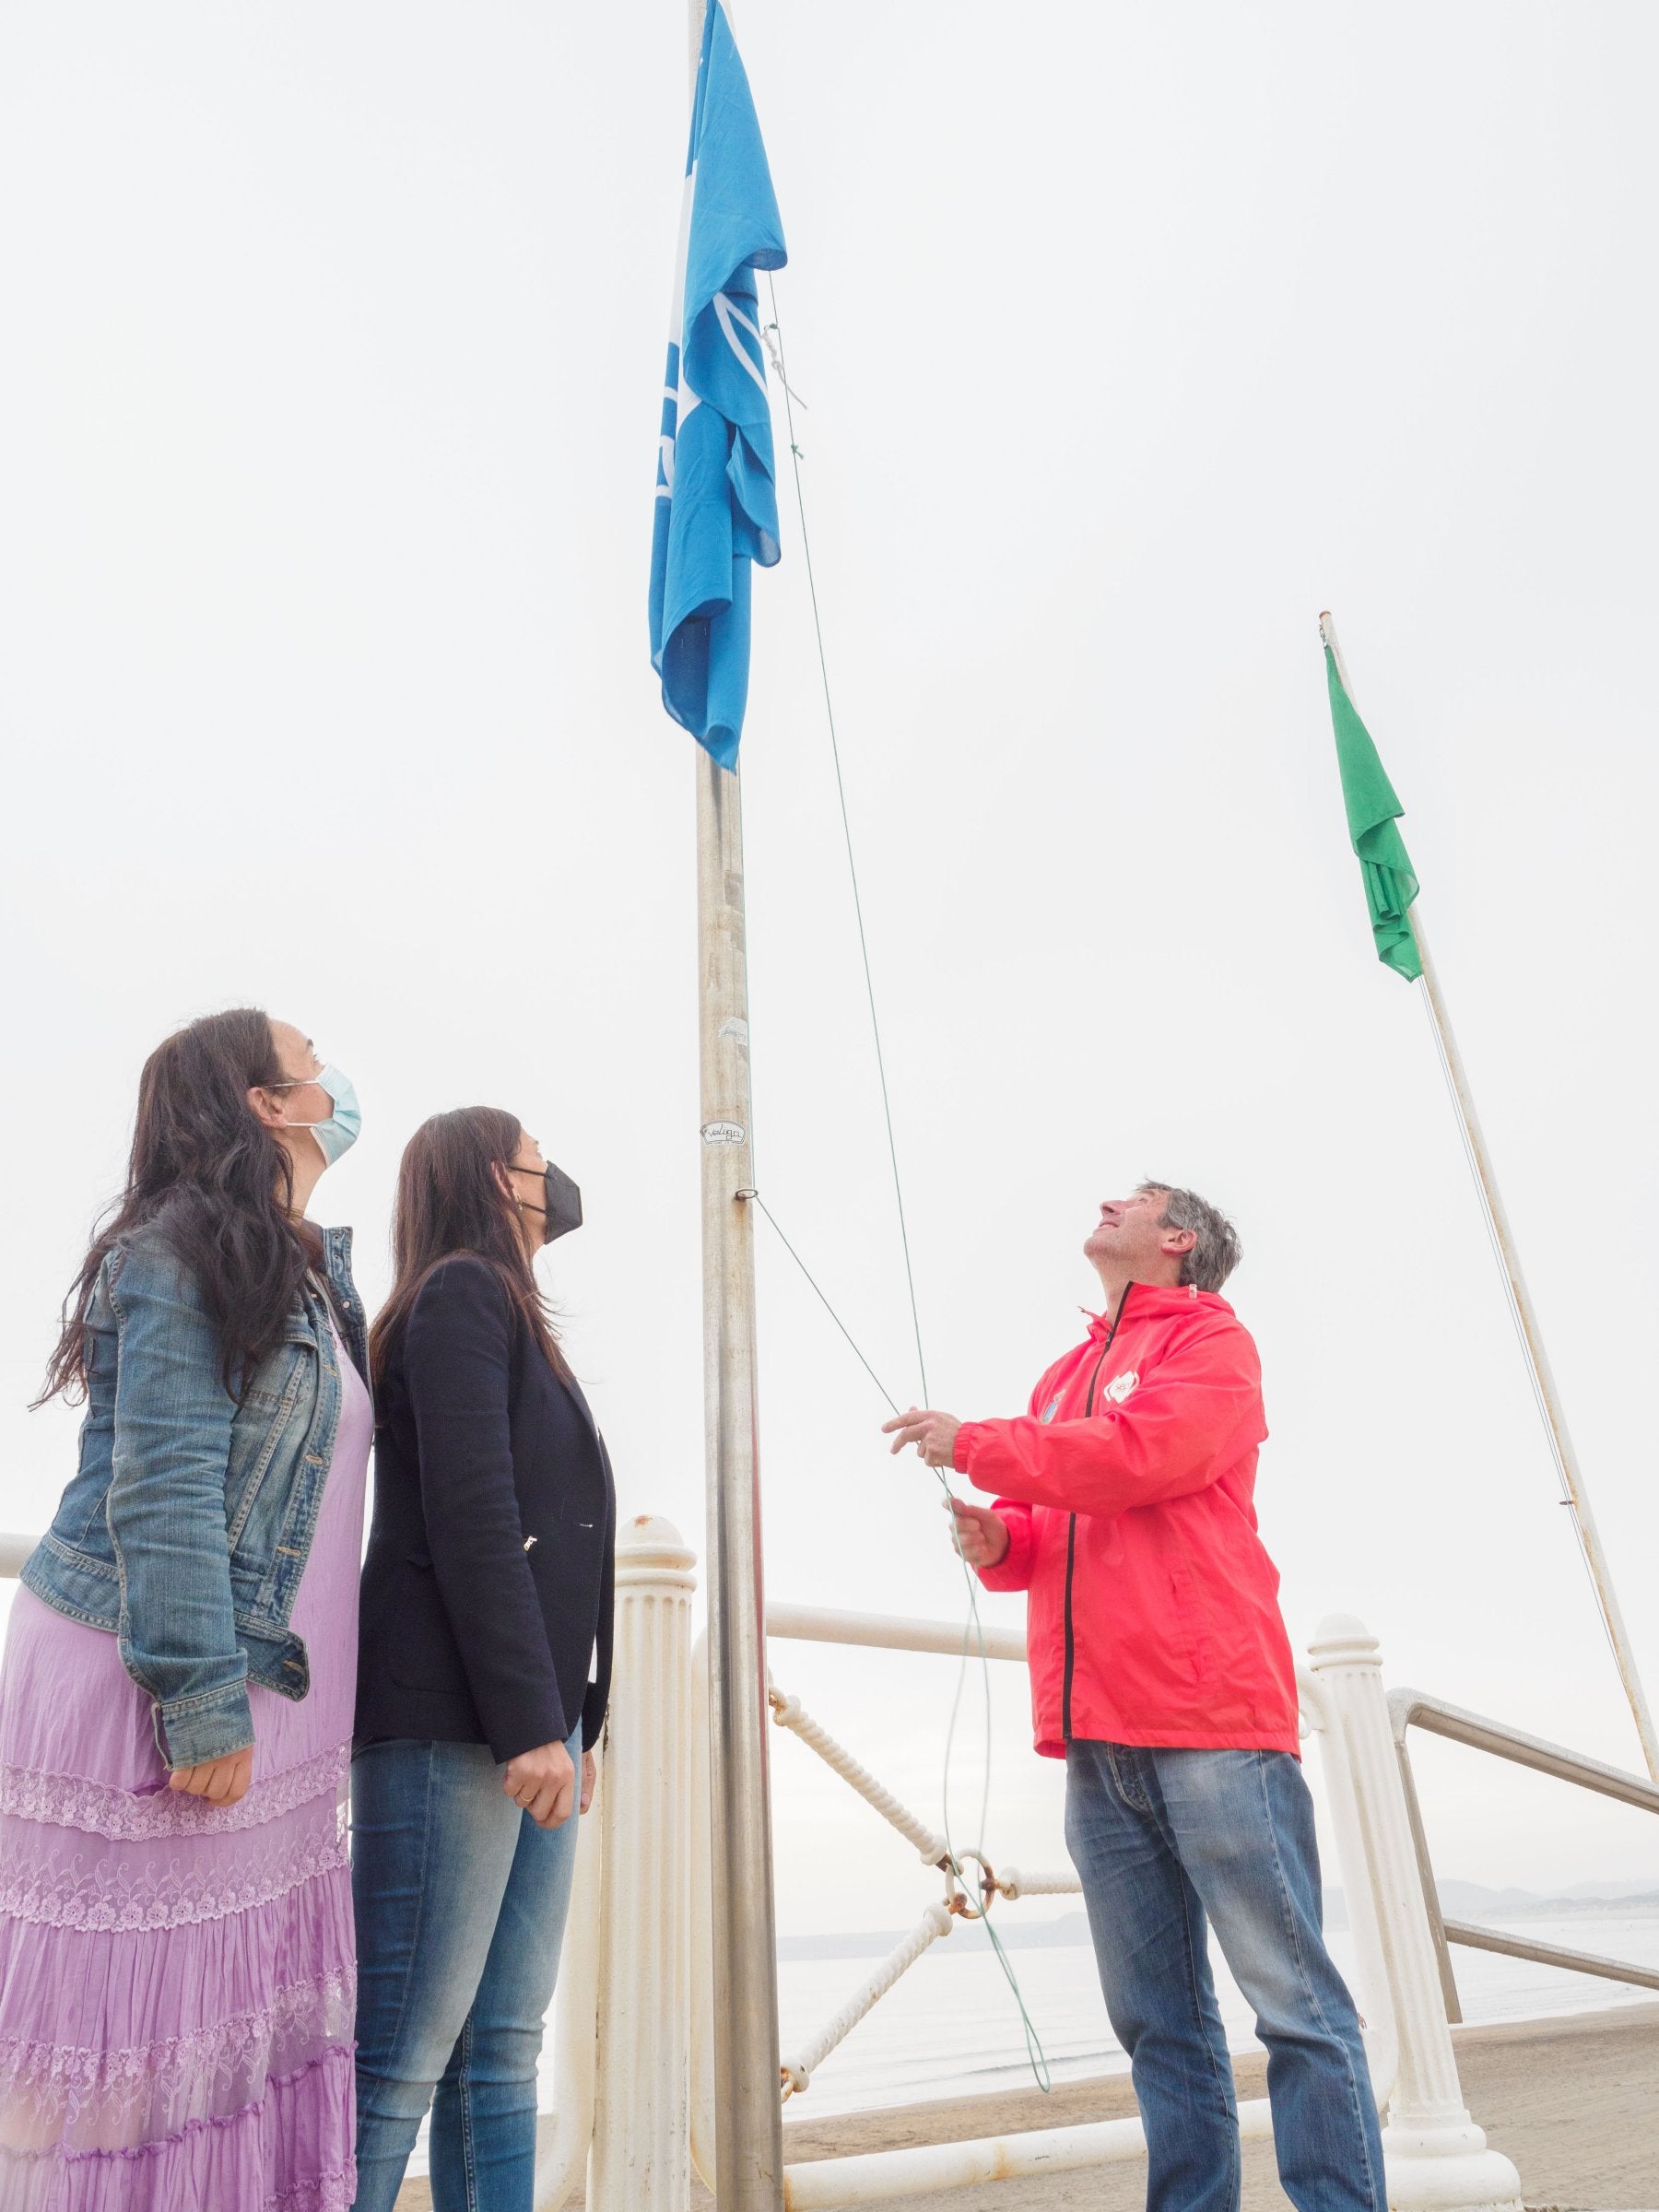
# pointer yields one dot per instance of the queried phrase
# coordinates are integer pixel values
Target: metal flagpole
(748, 2138)
(748, 2130)
(1573, 1492)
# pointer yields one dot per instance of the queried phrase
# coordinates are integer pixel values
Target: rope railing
(788, 1712)
(798, 2072)
(1016, 1883)
(961, 1901)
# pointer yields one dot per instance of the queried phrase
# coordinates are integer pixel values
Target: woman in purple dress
(177, 1975)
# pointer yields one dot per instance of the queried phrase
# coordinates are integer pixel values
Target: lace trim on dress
(137, 1815)
(93, 2098)
(43, 1881)
(328, 2192)
(24, 2171)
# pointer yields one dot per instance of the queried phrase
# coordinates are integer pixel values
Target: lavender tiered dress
(178, 1981)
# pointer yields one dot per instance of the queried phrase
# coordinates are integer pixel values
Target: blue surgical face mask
(339, 1132)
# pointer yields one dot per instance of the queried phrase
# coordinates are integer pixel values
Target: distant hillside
(1474, 1900)
(1469, 1900)
(1033, 1936)
(1459, 1901)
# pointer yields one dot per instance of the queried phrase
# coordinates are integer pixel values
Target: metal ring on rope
(955, 1896)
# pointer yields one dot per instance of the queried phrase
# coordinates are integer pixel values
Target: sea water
(951, 2027)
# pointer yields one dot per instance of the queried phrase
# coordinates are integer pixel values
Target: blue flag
(716, 501)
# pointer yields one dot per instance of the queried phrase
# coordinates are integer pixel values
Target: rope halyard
(973, 1635)
(823, 1298)
(776, 329)
(974, 1632)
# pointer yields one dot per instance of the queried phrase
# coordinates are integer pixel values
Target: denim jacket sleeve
(166, 1511)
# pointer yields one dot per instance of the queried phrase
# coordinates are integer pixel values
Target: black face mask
(562, 1212)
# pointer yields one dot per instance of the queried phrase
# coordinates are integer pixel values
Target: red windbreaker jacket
(1128, 1490)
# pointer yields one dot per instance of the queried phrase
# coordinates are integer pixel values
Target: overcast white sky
(1131, 337)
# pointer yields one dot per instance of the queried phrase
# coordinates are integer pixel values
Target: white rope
(1014, 1884)
(788, 1713)
(798, 2072)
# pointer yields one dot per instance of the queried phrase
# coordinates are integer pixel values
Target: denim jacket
(187, 1526)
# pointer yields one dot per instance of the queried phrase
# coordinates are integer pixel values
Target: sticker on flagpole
(724, 1133)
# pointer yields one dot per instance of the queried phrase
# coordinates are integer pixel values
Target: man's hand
(982, 1536)
(933, 1435)
(220, 1780)
(544, 1783)
(588, 1774)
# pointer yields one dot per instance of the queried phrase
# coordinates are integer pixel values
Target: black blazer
(489, 1580)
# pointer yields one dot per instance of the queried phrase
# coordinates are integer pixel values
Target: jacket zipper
(1071, 1530)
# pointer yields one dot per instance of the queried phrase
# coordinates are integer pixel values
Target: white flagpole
(748, 2135)
(1574, 1494)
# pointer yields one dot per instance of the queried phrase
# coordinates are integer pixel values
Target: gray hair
(1218, 1251)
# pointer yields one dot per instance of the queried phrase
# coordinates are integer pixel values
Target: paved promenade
(1574, 2102)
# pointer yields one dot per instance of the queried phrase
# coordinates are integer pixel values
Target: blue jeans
(461, 1903)
(1165, 1841)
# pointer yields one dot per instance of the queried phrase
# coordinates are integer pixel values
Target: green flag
(1373, 811)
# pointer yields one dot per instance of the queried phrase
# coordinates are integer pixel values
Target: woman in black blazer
(483, 1671)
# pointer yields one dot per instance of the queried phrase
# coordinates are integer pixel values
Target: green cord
(973, 1633)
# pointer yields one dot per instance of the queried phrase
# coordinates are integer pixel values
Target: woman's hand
(544, 1783)
(588, 1772)
(220, 1780)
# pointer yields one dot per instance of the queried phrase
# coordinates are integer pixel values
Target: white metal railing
(1436, 2153)
(1410, 1708)
(632, 2062)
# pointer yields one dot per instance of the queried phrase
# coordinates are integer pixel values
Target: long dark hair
(214, 1179)
(450, 1200)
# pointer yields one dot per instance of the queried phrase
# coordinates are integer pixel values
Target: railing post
(1436, 2157)
(639, 2160)
(1368, 1983)
(1432, 1905)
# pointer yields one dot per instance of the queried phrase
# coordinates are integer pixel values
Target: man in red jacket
(1161, 1674)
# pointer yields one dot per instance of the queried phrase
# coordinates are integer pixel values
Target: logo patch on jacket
(1118, 1389)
